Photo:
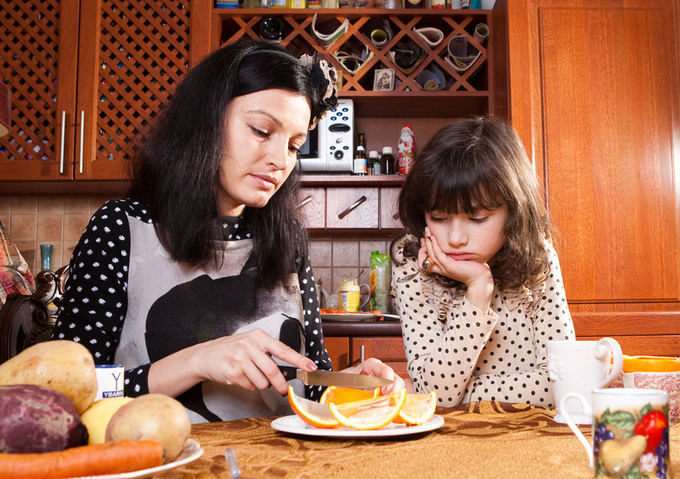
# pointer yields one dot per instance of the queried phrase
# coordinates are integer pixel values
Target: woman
(199, 283)
(478, 283)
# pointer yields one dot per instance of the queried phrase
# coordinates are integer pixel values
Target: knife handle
(289, 372)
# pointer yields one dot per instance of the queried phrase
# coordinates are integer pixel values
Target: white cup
(110, 380)
(630, 431)
(580, 367)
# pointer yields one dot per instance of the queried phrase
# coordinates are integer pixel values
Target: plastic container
(379, 281)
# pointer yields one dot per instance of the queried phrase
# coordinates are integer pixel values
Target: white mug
(630, 432)
(109, 380)
(579, 367)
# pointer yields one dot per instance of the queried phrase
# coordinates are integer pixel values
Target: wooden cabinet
(348, 343)
(595, 98)
(86, 77)
(353, 204)
(480, 89)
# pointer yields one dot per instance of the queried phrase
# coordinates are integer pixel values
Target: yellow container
(349, 295)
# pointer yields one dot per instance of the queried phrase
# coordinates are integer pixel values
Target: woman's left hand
(375, 367)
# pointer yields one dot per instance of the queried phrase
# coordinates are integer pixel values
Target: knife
(322, 377)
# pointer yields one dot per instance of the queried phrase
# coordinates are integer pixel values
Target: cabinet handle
(82, 132)
(361, 354)
(352, 207)
(395, 216)
(304, 201)
(63, 135)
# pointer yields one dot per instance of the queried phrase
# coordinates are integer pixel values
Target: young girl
(477, 281)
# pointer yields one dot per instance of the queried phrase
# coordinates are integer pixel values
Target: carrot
(108, 458)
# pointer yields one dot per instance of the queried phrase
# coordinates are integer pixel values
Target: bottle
(359, 166)
(415, 3)
(46, 257)
(387, 161)
(374, 161)
(407, 149)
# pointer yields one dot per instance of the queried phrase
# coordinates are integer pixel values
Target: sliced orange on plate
(418, 409)
(657, 364)
(312, 412)
(369, 413)
(338, 395)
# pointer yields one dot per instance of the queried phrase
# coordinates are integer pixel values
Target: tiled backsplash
(60, 220)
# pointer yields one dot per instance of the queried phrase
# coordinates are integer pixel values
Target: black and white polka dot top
(470, 355)
(119, 272)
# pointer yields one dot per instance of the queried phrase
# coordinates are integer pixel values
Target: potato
(97, 417)
(38, 419)
(152, 416)
(64, 366)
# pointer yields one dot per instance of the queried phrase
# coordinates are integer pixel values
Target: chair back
(23, 321)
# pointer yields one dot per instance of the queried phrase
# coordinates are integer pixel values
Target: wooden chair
(23, 321)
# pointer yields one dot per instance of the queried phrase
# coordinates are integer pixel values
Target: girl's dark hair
(476, 163)
(176, 169)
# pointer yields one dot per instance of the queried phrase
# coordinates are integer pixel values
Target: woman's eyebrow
(275, 120)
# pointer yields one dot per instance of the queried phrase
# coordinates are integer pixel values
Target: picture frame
(383, 79)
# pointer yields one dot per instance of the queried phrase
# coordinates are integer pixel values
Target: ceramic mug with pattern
(630, 432)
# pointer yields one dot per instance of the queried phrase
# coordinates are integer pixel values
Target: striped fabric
(15, 275)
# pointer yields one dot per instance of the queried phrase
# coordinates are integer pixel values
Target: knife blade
(321, 377)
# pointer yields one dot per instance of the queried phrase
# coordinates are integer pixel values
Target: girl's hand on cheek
(468, 272)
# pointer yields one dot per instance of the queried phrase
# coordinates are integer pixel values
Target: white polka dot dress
(469, 355)
(95, 303)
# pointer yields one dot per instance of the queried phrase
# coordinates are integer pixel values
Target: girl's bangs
(463, 192)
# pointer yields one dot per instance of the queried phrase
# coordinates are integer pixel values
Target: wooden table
(478, 440)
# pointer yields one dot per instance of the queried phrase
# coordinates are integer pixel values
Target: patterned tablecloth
(478, 440)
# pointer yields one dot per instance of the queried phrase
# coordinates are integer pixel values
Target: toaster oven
(330, 146)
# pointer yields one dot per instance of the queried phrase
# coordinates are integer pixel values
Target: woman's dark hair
(176, 169)
(475, 163)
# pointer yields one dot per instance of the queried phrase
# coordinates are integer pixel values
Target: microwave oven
(330, 146)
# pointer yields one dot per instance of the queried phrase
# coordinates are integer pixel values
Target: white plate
(347, 316)
(293, 424)
(192, 451)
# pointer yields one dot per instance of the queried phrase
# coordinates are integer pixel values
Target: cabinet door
(38, 61)
(352, 207)
(389, 208)
(131, 56)
(86, 78)
(312, 206)
(388, 350)
(595, 98)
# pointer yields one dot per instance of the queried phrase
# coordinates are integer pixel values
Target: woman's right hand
(243, 359)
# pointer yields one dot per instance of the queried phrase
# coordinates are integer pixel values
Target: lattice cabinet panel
(431, 57)
(143, 52)
(29, 50)
(86, 78)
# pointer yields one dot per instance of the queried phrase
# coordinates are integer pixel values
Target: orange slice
(339, 395)
(418, 408)
(369, 413)
(658, 364)
(312, 412)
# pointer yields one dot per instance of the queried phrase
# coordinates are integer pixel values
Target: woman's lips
(264, 181)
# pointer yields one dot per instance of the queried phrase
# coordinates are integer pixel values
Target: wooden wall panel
(608, 160)
(595, 98)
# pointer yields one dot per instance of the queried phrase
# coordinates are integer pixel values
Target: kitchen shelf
(463, 93)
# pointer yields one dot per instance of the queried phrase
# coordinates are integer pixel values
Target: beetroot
(38, 419)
